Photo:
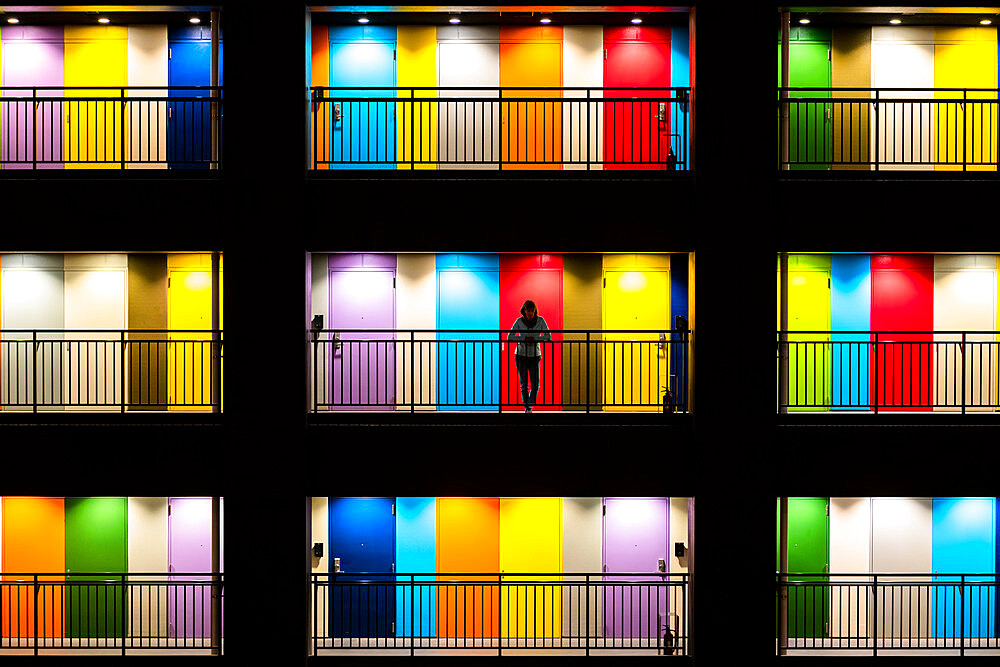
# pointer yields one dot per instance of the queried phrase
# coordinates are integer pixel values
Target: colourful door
(364, 131)
(96, 534)
(189, 354)
(531, 552)
(416, 551)
(189, 552)
(362, 540)
(539, 278)
(636, 133)
(809, 311)
(964, 541)
(468, 298)
(468, 540)
(809, 124)
(364, 363)
(850, 311)
(903, 300)
(809, 553)
(189, 122)
(32, 56)
(416, 127)
(34, 540)
(635, 541)
(636, 303)
(95, 134)
(531, 131)
(965, 58)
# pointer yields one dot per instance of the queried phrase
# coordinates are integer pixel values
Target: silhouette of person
(528, 330)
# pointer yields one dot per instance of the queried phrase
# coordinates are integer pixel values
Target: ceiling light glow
(805, 21)
(13, 20)
(454, 19)
(546, 20)
(104, 20)
(895, 21)
(637, 20)
(985, 22)
(195, 20)
(363, 19)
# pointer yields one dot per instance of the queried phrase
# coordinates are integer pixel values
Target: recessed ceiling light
(985, 22)
(194, 19)
(805, 21)
(454, 19)
(637, 20)
(895, 21)
(13, 20)
(363, 19)
(546, 20)
(104, 20)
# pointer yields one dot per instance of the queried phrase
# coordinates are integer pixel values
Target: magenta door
(363, 375)
(32, 56)
(635, 538)
(189, 550)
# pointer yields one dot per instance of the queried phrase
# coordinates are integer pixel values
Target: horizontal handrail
(970, 332)
(501, 574)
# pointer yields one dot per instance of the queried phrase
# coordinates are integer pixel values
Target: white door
(467, 131)
(95, 299)
(904, 134)
(901, 542)
(32, 299)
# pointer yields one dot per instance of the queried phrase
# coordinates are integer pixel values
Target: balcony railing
(124, 612)
(500, 128)
(952, 129)
(459, 369)
(100, 369)
(887, 613)
(890, 370)
(127, 127)
(469, 613)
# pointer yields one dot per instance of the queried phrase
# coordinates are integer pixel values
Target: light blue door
(416, 528)
(468, 363)
(964, 542)
(363, 132)
(850, 310)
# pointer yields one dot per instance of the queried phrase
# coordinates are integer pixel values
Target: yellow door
(635, 364)
(416, 123)
(189, 352)
(966, 131)
(809, 353)
(95, 133)
(530, 547)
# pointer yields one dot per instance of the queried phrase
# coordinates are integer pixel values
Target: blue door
(468, 363)
(850, 310)
(363, 538)
(416, 551)
(189, 121)
(964, 542)
(363, 132)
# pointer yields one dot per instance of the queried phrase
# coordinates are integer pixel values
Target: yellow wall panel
(965, 58)
(189, 306)
(95, 56)
(531, 541)
(416, 65)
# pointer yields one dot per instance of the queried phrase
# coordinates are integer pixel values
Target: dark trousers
(527, 367)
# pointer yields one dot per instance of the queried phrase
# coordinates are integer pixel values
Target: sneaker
(528, 409)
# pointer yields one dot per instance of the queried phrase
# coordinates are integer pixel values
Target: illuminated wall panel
(964, 540)
(582, 297)
(147, 309)
(582, 551)
(903, 57)
(34, 540)
(189, 549)
(416, 540)
(319, 73)
(96, 533)
(850, 310)
(32, 56)
(850, 551)
(635, 538)
(416, 307)
(147, 117)
(468, 540)
(469, 56)
(531, 541)
(147, 552)
(965, 58)
(808, 310)
(189, 122)
(416, 126)
(531, 56)
(583, 122)
(189, 316)
(851, 58)
(809, 67)
(95, 56)
(680, 76)
(808, 552)
(901, 542)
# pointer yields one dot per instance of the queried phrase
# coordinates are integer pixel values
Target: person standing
(528, 330)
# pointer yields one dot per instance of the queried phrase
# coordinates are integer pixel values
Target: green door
(96, 534)
(808, 551)
(809, 353)
(810, 125)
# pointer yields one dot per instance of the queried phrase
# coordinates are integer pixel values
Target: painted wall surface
(189, 313)
(319, 73)
(965, 300)
(147, 552)
(189, 549)
(679, 292)
(902, 300)
(850, 311)
(96, 534)
(582, 298)
(468, 298)
(851, 58)
(417, 124)
(635, 538)
(680, 76)
(904, 58)
(809, 129)
(34, 540)
(964, 541)
(416, 551)
(362, 58)
(416, 308)
(532, 132)
(965, 58)
(808, 310)
(850, 552)
(362, 537)
(538, 278)
(582, 122)
(468, 540)
(901, 542)
(147, 309)
(582, 551)
(189, 120)
(95, 56)
(148, 59)
(636, 297)
(32, 56)
(469, 56)
(808, 553)
(635, 56)
(531, 541)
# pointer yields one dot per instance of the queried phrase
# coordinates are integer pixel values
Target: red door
(903, 300)
(539, 278)
(636, 133)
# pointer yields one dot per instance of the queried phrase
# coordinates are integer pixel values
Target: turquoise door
(964, 542)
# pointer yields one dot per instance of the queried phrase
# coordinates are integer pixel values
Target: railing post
(783, 110)
(315, 368)
(412, 131)
(500, 129)
(874, 615)
(121, 375)
(412, 372)
(122, 140)
(876, 129)
(588, 129)
(874, 387)
(34, 121)
(965, 124)
(586, 379)
(34, 370)
(586, 633)
(961, 616)
(412, 624)
(963, 371)
(123, 630)
(499, 598)
(34, 625)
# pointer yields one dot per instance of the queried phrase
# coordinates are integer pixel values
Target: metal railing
(580, 613)
(888, 128)
(459, 369)
(101, 610)
(890, 370)
(891, 612)
(500, 127)
(117, 127)
(100, 369)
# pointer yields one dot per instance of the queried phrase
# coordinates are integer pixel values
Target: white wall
(468, 56)
(416, 302)
(320, 305)
(147, 552)
(903, 57)
(582, 552)
(147, 66)
(850, 552)
(901, 542)
(583, 65)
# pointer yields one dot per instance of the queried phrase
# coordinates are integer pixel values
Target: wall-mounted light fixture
(13, 19)
(545, 20)
(804, 21)
(195, 20)
(363, 19)
(985, 22)
(104, 20)
(454, 19)
(895, 21)
(637, 20)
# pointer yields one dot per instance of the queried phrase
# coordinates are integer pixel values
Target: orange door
(468, 534)
(34, 541)
(531, 136)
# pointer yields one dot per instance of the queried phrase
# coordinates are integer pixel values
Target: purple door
(635, 538)
(363, 375)
(189, 550)
(32, 56)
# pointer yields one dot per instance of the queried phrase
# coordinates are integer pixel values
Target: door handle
(338, 113)
(662, 112)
